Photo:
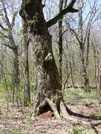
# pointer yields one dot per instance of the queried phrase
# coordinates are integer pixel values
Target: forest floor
(15, 120)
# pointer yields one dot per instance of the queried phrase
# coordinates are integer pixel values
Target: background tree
(83, 36)
(26, 65)
(10, 35)
(60, 40)
(7, 34)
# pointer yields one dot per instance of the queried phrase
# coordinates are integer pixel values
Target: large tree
(49, 95)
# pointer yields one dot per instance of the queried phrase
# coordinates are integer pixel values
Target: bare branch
(6, 17)
(13, 20)
(5, 29)
(69, 9)
(2, 34)
(75, 34)
(91, 21)
(7, 45)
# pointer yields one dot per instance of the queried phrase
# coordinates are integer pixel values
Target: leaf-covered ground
(15, 120)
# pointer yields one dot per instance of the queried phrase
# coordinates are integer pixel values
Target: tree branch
(13, 20)
(6, 17)
(2, 34)
(7, 45)
(5, 29)
(75, 34)
(69, 9)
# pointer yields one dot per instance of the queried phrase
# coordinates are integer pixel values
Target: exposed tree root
(38, 109)
(65, 113)
(53, 107)
(60, 111)
(81, 115)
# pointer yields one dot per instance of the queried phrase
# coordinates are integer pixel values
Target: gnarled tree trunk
(49, 93)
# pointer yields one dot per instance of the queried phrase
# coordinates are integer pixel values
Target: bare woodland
(47, 47)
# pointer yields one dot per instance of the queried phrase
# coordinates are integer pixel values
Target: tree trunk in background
(70, 65)
(15, 79)
(26, 65)
(82, 49)
(98, 72)
(1, 63)
(96, 60)
(84, 71)
(60, 41)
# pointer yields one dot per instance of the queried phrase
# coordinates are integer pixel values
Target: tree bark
(82, 49)
(15, 78)
(98, 72)
(60, 41)
(26, 65)
(70, 65)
